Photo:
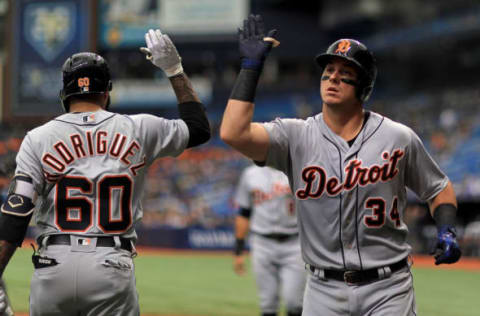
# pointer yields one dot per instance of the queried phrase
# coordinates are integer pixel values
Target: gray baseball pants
(393, 295)
(88, 281)
(278, 268)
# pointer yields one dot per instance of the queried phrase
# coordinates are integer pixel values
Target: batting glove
(446, 249)
(5, 309)
(254, 46)
(162, 53)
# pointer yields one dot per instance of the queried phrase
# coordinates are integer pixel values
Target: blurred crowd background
(428, 54)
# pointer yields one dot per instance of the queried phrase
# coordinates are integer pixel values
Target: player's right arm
(237, 129)
(17, 210)
(7, 249)
(242, 224)
(162, 53)
(15, 215)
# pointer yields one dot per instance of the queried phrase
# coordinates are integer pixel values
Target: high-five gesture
(162, 53)
(254, 44)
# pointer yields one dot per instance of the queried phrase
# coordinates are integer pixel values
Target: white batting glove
(5, 309)
(162, 53)
(3, 301)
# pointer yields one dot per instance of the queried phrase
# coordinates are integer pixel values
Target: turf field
(204, 284)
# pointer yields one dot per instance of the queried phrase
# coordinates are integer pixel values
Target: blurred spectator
(7, 169)
(439, 142)
(448, 119)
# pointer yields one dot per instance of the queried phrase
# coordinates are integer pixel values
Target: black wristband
(245, 212)
(445, 215)
(239, 246)
(252, 64)
(246, 85)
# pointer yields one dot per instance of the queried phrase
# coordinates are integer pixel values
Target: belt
(355, 277)
(102, 241)
(278, 236)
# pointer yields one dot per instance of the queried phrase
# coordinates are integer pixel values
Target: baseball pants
(390, 296)
(87, 281)
(278, 268)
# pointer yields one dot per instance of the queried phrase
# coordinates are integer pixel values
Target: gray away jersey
(88, 169)
(350, 200)
(267, 193)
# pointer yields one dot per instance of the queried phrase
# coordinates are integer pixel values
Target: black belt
(278, 236)
(360, 276)
(102, 241)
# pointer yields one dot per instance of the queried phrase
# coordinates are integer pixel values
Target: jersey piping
(374, 131)
(356, 192)
(89, 124)
(341, 200)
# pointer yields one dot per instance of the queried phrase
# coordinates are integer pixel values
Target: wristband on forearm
(239, 246)
(245, 85)
(252, 64)
(445, 215)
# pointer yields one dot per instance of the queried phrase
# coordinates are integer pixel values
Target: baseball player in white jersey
(84, 171)
(267, 210)
(348, 169)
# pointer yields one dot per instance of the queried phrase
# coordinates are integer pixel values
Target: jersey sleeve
(280, 133)
(242, 193)
(162, 137)
(28, 163)
(423, 175)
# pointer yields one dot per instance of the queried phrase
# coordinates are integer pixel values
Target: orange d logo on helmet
(343, 47)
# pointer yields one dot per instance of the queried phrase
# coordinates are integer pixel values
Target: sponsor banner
(163, 237)
(211, 239)
(47, 33)
(123, 23)
(187, 238)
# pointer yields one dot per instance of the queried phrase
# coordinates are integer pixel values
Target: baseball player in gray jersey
(84, 171)
(267, 210)
(348, 169)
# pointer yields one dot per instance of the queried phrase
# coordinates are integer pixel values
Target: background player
(85, 171)
(349, 169)
(267, 210)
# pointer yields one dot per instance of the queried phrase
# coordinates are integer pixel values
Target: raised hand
(162, 53)
(254, 44)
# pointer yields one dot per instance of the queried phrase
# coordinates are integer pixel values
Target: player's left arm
(446, 196)
(443, 208)
(162, 53)
(424, 176)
